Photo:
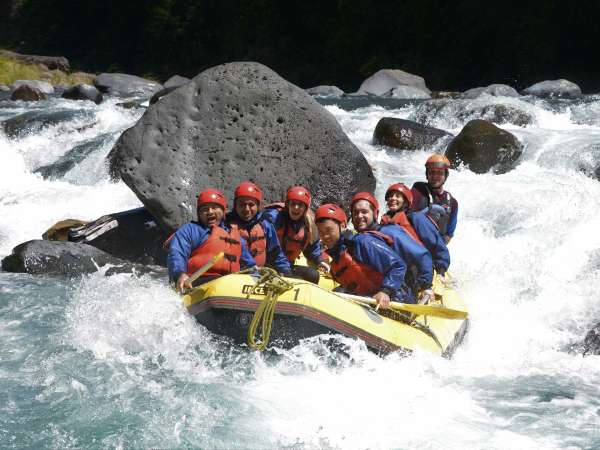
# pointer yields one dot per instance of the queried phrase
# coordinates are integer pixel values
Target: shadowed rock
(406, 135)
(34, 121)
(554, 88)
(591, 343)
(385, 80)
(482, 146)
(76, 155)
(51, 62)
(156, 97)
(27, 94)
(131, 235)
(232, 123)
(124, 84)
(83, 92)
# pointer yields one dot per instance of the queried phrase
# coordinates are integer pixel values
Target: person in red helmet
(258, 231)
(195, 243)
(419, 225)
(363, 264)
(432, 192)
(419, 275)
(297, 232)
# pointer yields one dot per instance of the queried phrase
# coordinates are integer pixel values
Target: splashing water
(117, 362)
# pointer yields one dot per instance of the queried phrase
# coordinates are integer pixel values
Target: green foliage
(12, 70)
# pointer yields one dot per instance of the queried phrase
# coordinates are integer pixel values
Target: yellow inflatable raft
(227, 306)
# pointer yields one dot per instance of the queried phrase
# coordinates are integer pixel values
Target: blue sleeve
(433, 240)
(412, 253)
(187, 238)
(246, 260)
(376, 253)
(275, 256)
(270, 214)
(453, 218)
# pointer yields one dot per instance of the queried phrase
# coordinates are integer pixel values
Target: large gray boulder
(325, 91)
(27, 94)
(407, 135)
(43, 86)
(409, 93)
(176, 81)
(554, 88)
(385, 80)
(124, 84)
(482, 146)
(235, 122)
(83, 92)
(495, 90)
(36, 120)
(64, 258)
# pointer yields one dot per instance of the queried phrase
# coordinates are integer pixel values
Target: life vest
(257, 243)
(428, 198)
(292, 242)
(400, 219)
(355, 277)
(219, 240)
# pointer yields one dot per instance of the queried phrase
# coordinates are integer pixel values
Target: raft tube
(226, 305)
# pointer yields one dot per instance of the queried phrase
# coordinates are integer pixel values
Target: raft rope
(262, 321)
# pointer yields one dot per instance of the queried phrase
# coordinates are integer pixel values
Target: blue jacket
(413, 253)
(433, 240)
(423, 197)
(372, 251)
(189, 237)
(312, 252)
(275, 256)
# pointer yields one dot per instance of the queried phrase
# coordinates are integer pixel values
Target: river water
(116, 362)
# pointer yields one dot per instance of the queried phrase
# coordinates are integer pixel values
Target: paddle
(422, 310)
(198, 273)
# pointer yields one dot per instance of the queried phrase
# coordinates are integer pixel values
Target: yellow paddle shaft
(422, 310)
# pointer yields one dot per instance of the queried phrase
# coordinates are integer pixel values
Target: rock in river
(482, 146)
(235, 122)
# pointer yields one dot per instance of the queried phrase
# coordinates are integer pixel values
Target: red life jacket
(355, 277)
(400, 219)
(257, 243)
(292, 242)
(219, 240)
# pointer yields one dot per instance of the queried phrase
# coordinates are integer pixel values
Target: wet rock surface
(495, 90)
(83, 92)
(42, 86)
(591, 343)
(407, 135)
(34, 121)
(231, 123)
(482, 146)
(125, 84)
(554, 89)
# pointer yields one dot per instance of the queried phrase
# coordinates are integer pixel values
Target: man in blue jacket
(365, 211)
(195, 243)
(425, 224)
(259, 233)
(363, 264)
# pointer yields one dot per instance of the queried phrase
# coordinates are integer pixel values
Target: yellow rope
(262, 320)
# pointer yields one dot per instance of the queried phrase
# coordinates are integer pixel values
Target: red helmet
(248, 189)
(368, 197)
(211, 196)
(298, 193)
(403, 189)
(331, 211)
(437, 161)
